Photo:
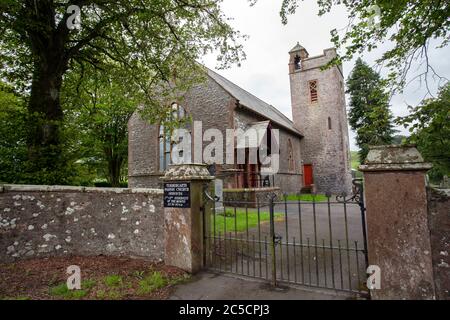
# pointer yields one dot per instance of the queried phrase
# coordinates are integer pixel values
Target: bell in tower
(298, 53)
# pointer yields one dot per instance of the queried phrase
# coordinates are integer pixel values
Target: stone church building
(314, 147)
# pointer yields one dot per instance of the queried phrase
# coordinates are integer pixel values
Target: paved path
(210, 286)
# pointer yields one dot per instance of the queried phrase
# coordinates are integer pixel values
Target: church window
(164, 148)
(165, 138)
(329, 123)
(313, 91)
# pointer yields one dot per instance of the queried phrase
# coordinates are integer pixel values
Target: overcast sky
(265, 72)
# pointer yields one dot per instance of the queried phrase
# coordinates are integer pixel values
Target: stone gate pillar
(397, 224)
(183, 217)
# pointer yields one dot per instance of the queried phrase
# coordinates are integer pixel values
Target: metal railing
(317, 243)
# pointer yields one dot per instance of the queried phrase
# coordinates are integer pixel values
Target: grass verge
(103, 277)
(307, 198)
(241, 221)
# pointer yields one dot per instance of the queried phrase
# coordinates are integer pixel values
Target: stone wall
(249, 197)
(37, 221)
(439, 223)
(289, 183)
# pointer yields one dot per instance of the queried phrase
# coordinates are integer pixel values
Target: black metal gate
(318, 241)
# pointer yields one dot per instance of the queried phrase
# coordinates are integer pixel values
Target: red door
(308, 174)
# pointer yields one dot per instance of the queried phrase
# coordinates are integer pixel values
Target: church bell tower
(319, 112)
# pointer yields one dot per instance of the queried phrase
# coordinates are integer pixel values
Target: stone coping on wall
(187, 172)
(137, 175)
(394, 158)
(45, 188)
(396, 167)
(251, 190)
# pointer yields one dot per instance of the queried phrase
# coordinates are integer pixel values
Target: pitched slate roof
(253, 103)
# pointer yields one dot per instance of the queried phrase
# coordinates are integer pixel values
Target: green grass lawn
(239, 223)
(307, 198)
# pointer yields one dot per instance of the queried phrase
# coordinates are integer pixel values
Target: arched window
(291, 156)
(165, 138)
(329, 124)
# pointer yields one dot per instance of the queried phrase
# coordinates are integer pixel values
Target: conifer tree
(369, 116)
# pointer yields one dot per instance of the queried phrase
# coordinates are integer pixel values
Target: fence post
(397, 224)
(273, 241)
(183, 216)
(359, 183)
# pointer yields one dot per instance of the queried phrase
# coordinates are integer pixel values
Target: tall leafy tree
(369, 116)
(429, 124)
(98, 110)
(157, 41)
(407, 26)
(13, 150)
(15, 167)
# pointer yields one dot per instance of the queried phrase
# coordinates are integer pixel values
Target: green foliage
(88, 284)
(62, 291)
(98, 109)
(139, 274)
(355, 160)
(152, 44)
(15, 165)
(154, 40)
(241, 220)
(16, 298)
(307, 198)
(13, 151)
(369, 116)
(429, 124)
(108, 295)
(113, 280)
(407, 25)
(152, 282)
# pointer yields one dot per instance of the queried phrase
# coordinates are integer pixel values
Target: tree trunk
(114, 168)
(48, 51)
(45, 121)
